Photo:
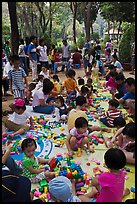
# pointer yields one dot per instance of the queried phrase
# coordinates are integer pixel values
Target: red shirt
(77, 58)
(56, 57)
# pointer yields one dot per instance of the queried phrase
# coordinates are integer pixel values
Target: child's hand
(8, 147)
(49, 160)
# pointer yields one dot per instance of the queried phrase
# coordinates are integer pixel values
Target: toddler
(51, 101)
(87, 76)
(81, 83)
(95, 70)
(78, 136)
(109, 185)
(29, 93)
(45, 72)
(111, 83)
(62, 190)
(56, 83)
(118, 124)
(111, 114)
(61, 108)
(17, 121)
(30, 162)
(39, 82)
(127, 137)
(70, 85)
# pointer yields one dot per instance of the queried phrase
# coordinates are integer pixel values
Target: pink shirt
(112, 187)
(111, 83)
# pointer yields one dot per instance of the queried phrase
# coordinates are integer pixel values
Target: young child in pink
(111, 83)
(109, 185)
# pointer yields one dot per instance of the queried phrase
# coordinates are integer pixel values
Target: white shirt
(43, 53)
(21, 51)
(37, 96)
(19, 119)
(118, 65)
(39, 85)
(6, 69)
(45, 75)
(66, 52)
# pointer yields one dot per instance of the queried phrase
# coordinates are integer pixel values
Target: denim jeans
(14, 168)
(23, 64)
(44, 109)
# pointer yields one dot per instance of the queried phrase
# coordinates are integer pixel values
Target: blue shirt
(129, 95)
(121, 88)
(32, 51)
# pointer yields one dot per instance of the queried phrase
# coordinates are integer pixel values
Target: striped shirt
(111, 115)
(17, 78)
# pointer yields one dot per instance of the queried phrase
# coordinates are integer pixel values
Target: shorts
(38, 178)
(13, 126)
(18, 93)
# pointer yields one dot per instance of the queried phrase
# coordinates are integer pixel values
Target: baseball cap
(61, 188)
(19, 102)
(15, 188)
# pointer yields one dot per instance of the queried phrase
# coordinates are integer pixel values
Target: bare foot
(126, 192)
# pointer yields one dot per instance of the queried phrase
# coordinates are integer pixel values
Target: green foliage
(95, 36)
(126, 42)
(73, 47)
(81, 42)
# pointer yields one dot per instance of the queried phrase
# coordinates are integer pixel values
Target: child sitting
(61, 108)
(95, 70)
(118, 123)
(111, 114)
(56, 83)
(70, 85)
(62, 190)
(51, 101)
(108, 182)
(78, 136)
(81, 82)
(111, 83)
(29, 93)
(127, 136)
(45, 72)
(30, 162)
(87, 76)
(17, 121)
(40, 82)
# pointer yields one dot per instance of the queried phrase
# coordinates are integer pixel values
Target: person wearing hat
(17, 121)
(16, 188)
(62, 190)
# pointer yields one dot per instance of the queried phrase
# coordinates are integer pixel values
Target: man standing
(33, 57)
(66, 53)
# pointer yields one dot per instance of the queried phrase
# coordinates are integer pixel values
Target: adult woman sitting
(40, 97)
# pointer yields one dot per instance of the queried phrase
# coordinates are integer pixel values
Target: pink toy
(48, 196)
(37, 193)
(30, 136)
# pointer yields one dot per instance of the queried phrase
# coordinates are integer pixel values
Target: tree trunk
(14, 27)
(87, 19)
(50, 17)
(73, 6)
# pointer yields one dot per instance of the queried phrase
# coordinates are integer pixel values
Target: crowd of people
(68, 100)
